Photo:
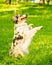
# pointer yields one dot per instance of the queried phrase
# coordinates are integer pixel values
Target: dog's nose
(26, 15)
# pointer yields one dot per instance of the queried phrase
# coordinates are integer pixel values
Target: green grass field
(40, 50)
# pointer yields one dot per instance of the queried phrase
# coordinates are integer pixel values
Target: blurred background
(39, 13)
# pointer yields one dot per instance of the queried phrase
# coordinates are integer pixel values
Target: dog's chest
(22, 28)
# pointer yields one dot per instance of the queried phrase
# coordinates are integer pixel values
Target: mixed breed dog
(23, 34)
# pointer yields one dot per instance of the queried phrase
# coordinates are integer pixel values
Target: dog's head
(19, 18)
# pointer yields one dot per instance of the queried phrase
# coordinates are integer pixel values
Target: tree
(48, 1)
(42, 1)
(16, 1)
(8, 1)
(26, 0)
(22, 0)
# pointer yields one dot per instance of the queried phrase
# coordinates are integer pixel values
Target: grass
(40, 50)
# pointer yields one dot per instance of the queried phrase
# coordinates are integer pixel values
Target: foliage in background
(40, 50)
(48, 1)
(22, 1)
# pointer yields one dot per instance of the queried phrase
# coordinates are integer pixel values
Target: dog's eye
(17, 17)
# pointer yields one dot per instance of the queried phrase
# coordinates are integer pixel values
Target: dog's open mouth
(23, 18)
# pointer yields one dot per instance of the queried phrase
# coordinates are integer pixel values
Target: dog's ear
(15, 19)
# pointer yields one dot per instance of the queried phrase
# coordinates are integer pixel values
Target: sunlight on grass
(40, 7)
(40, 50)
(24, 7)
(9, 7)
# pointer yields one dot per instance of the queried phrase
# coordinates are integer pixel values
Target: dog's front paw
(41, 27)
(30, 26)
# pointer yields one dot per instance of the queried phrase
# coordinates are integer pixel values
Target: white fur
(30, 35)
(27, 34)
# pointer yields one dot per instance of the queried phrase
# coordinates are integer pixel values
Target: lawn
(40, 50)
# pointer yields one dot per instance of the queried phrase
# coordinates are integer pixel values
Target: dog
(23, 34)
